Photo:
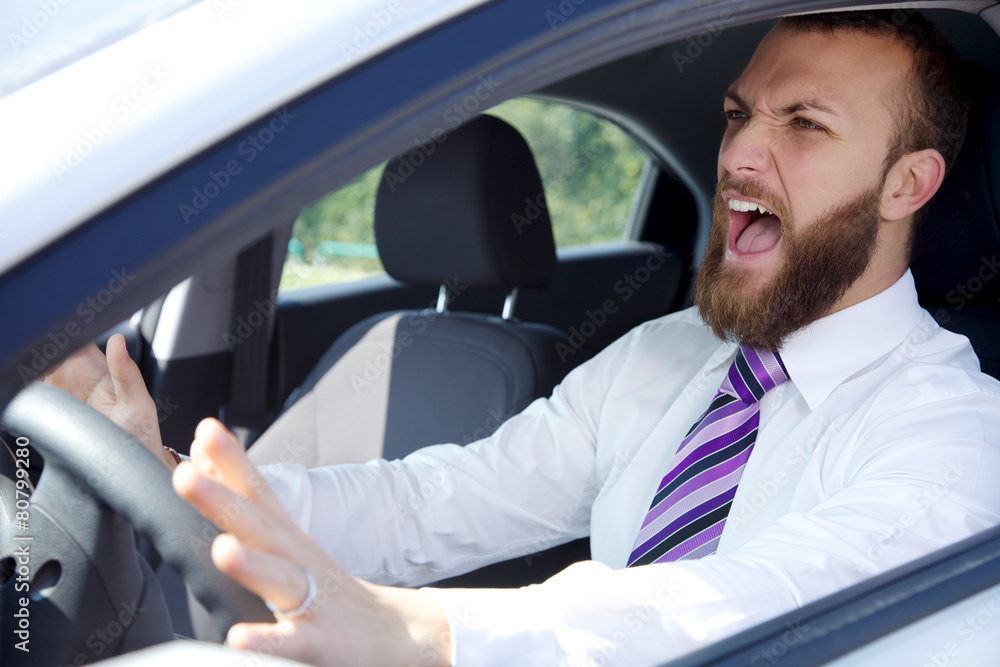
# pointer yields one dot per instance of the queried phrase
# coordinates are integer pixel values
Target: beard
(819, 264)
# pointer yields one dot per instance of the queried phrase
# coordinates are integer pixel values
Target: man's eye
(807, 124)
(734, 114)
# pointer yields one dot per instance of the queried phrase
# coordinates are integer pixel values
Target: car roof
(66, 238)
(113, 120)
(219, 87)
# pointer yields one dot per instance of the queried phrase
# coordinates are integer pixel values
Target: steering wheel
(90, 592)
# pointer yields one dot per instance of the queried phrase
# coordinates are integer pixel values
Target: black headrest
(957, 250)
(466, 205)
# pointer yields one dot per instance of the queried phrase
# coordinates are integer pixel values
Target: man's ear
(910, 183)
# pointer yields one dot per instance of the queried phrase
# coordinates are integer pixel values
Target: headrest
(468, 205)
(956, 257)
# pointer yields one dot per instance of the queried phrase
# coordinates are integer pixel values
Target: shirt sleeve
(446, 509)
(919, 479)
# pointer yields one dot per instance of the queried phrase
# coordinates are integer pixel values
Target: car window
(591, 171)
(333, 240)
(590, 168)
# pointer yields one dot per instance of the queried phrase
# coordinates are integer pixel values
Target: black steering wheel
(69, 566)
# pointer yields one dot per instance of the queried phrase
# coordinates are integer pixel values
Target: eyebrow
(794, 108)
(806, 105)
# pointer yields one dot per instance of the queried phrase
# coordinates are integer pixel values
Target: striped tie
(689, 510)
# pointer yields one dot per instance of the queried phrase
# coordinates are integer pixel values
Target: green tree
(590, 170)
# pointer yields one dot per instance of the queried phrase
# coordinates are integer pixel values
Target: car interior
(472, 360)
(476, 317)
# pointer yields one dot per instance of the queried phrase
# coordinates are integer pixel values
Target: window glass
(590, 168)
(591, 171)
(333, 240)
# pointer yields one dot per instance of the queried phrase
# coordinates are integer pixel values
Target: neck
(888, 264)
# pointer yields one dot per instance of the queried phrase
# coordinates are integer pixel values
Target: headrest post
(442, 303)
(508, 304)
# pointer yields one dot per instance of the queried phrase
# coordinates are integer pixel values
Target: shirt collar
(822, 355)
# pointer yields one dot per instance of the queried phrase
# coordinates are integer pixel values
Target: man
(850, 433)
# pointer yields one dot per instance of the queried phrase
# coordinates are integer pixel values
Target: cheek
(815, 179)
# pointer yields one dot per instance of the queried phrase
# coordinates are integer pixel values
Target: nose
(745, 150)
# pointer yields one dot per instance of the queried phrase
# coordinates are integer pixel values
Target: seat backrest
(956, 257)
(470, 213)
(448, 215)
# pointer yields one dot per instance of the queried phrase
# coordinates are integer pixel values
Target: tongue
(761, 235)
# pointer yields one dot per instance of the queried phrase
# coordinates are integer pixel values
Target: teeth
(744, 206)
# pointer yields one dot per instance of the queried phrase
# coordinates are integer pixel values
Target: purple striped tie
(689, 510)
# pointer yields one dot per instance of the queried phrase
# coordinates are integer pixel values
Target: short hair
(934, 109)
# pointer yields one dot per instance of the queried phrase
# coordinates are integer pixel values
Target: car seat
(956, 256)
(450, 214)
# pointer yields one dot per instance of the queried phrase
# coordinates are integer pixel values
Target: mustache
(753, 189)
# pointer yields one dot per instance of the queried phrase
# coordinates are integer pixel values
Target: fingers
(285, 639)
(218, 454)
(249, 521)
(274, 579)
(348, 622)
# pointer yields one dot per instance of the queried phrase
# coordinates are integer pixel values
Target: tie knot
(754, 373)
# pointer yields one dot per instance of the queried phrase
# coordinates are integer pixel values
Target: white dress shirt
(883, 446)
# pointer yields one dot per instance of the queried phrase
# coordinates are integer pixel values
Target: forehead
(854, 74)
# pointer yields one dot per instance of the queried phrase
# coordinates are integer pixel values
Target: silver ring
(306, 604)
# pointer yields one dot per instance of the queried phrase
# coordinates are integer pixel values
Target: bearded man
(805, 426)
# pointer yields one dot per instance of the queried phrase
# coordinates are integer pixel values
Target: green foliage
(347, 214)
(590, 170)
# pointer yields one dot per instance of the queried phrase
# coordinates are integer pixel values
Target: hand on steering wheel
(347, 621)
(325, 616)
(113, 386)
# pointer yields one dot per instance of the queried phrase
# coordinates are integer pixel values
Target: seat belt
(247, 414)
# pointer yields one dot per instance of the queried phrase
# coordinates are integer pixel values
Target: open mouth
(753, 229)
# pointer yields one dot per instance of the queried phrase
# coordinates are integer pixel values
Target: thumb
(125, 374)
(134, 409)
